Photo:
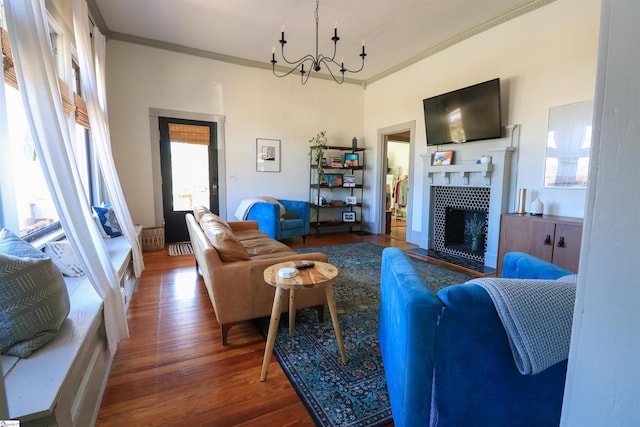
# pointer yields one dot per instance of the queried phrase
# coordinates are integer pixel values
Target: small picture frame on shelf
(352, 200)
(348, 216)
(351, 159)
(336, 161)
(333, 179)
(324, 162)
(349, 181)
(442, 158)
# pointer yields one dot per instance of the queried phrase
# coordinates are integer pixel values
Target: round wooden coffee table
(321, 274)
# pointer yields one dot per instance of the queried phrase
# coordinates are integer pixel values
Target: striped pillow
(33, 297)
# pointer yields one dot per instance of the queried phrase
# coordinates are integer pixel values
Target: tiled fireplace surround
(467, 186)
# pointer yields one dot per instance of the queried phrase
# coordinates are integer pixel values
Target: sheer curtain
(29, 37)
(93, 85)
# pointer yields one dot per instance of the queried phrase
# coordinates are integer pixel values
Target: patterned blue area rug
(353, 395)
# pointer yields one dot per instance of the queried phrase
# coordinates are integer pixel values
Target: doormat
(182, 248)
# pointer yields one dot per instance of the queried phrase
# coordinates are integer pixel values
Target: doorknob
(214, 189)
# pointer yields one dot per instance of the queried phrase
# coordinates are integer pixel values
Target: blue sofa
(447, 358)
(270, 221)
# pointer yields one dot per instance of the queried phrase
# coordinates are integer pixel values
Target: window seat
(63, 382)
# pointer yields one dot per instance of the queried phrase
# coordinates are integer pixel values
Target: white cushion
(64, 258)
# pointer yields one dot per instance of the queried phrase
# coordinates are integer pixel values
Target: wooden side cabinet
(552, 238)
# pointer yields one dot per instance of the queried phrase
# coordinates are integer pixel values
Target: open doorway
(397, 184)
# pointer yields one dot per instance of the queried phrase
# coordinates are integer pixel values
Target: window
(82, 142)
(26, 206)
(35, 210)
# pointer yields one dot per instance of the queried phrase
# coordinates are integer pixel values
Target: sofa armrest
(268, 217)
(408, 319)
(473, 358)
(520, 265)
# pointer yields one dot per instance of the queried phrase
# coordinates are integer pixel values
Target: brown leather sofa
(231, 257)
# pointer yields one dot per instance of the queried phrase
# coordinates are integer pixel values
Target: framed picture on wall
(267, 155)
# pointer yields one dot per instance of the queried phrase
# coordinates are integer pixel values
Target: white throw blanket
(537, 316)
(245, 205)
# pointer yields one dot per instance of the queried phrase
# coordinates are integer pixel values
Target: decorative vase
(474, 243)
(354, 143)
(536, 207)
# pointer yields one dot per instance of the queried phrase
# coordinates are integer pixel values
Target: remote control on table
(304, 265)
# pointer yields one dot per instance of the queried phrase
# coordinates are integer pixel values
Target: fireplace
(476, 189)
(461, 217)
(465, 230)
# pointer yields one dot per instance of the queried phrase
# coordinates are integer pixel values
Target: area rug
(353, 395)
(182, 248)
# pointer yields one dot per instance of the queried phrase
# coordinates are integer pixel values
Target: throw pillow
(108, 221)
(229, 248)
(33, 297)
(64, 258)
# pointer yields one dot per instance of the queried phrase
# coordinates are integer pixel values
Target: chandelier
(314, 63)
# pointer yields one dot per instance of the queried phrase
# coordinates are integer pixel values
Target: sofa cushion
(291, 224)
(276, 256)
(264, 245)
(198, 211)
(211, 217)
(33, 298)
(243, 235)
(229, 248)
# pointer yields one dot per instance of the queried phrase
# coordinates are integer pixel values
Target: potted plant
(316, 152)
(475, 228)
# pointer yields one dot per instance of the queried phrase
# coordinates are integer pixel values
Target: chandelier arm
(297, 67)
(317, 60)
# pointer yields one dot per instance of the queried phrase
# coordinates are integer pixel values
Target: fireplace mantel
(462, 170)
(495, 176)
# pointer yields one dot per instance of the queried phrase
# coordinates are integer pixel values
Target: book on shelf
(351, 159)
(349, 181)
(336, 161)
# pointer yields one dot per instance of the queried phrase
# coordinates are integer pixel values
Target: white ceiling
(397, 32)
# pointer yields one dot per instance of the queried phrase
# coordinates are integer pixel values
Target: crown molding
(519, 11)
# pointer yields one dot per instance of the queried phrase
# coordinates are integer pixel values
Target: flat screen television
(464, 115)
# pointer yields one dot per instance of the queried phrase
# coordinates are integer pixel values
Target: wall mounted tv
(464, 115)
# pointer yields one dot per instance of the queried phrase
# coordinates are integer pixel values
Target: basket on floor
(152, 238)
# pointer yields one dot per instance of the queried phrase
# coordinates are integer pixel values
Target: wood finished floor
(173, 370)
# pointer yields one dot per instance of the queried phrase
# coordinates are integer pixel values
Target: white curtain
(38, 82)
(93, 85)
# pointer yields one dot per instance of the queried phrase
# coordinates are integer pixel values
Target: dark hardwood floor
(173, 370)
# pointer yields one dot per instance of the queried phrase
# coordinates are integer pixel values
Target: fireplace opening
(465, 230)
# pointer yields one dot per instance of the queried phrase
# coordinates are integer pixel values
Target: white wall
(544, 58)
(255, 105)
(603, 378)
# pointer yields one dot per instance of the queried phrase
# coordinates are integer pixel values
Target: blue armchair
(270, 221)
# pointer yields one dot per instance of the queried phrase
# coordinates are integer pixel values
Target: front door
(189, 169)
